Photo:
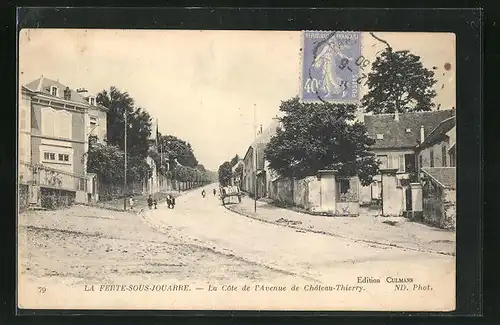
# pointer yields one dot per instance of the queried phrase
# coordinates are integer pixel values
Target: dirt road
(200, 242)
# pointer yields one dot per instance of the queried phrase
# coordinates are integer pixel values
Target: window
(56, 123)
(63, 157)
(92, 101)
(409, 163)
(49, 156)
(53, 91)
(452, 157)
(401, 167)
(408, 130)
(380, 136)
(431, 154)
(443, 156)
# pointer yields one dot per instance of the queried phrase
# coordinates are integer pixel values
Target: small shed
(439, 196)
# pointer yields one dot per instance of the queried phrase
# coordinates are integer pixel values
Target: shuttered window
(56, 123)
(48, 125)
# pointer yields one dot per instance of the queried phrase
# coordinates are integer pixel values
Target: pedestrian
(215, 191)
(203, 193)
(150, 202)
(155, 203)
(131, 202)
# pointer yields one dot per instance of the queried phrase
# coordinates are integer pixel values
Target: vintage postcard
(236, 170)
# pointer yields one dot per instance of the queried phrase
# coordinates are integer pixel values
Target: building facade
(54, 127)
(397, 138)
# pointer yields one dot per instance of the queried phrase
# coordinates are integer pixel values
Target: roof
(263, 138)
(42, 85)
(444, 176)
(267, 133)
(395, 134)
(440, 132)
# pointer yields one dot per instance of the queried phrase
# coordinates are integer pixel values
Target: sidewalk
(396, 232)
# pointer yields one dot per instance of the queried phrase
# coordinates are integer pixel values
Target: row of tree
(174, 157)
(317, 136)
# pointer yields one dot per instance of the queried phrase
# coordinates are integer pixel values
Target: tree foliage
(319, 136)
(175, 148)
(399, 81)
(225, 173)
(138, 126)
(108, 162)
(235, 160)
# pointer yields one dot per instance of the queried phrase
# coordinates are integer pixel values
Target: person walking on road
(215, 191)
(203, 193)
(150, 202)
(131, 202)
(155, 202)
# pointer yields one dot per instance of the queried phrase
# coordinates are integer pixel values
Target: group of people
(203, 193)
(170, 200)
(152, 202)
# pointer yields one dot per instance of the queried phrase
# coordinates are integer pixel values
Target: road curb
(340, 236)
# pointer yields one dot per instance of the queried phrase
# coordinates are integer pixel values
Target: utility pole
(125, 164)
(255, 153)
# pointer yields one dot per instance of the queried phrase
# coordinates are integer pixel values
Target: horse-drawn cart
(226, 193)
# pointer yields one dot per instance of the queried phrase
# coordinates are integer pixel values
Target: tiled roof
(404, 133)
(444, 176)
(439, 132)
(43, 85)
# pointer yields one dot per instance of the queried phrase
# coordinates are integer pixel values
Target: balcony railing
(49, 177)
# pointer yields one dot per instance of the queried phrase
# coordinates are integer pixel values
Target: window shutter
(402, 163)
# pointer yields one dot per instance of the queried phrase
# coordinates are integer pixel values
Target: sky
(203, 86)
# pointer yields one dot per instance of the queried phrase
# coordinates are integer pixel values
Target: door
(408, 199)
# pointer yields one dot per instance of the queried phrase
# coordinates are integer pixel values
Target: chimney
(422, 134)
(67, 94)
(396, 115)
(81, 91)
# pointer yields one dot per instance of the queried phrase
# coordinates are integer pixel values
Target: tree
(399, 81)
(139, 121)
(319, 136)
(235, 160)
(225, 173)
(175, 148)
(107, 161)
(238, 173)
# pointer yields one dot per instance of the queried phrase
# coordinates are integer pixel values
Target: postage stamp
(332, 66)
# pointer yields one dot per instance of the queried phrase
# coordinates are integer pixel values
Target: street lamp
(125, 163)
(255, 154)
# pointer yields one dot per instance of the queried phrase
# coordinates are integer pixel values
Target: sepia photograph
(251, 170)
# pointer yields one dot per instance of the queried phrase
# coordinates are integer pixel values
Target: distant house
(54, 126)
(397, 139)
(236, 178)
(255, 167)
(438, 148)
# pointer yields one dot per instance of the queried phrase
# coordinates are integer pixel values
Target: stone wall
(439, 205)
(23, 197)
(51, 198)
(450, 210)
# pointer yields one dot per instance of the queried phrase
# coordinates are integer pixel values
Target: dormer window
(380, 136)
(92, 101)
(54, 91)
